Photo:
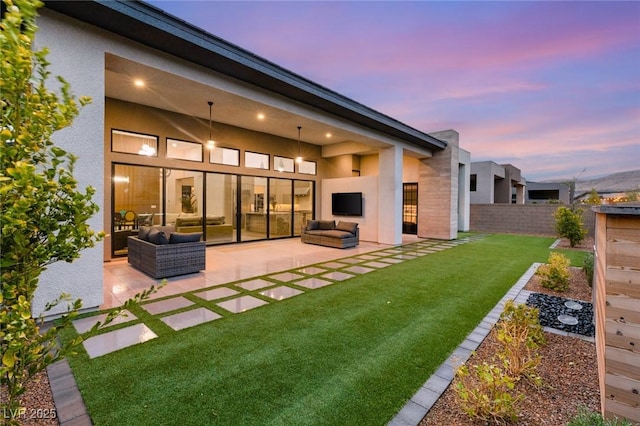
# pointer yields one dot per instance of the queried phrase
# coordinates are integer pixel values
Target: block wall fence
(529, 219)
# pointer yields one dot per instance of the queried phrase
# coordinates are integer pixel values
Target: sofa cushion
(347, 226)
(334, 233)
(215, 220)
(143, 233)
(188, 221)
(312, 225)
(326, 224)
(158, 237)
(189, 237)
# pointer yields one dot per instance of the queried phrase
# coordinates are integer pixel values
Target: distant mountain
(616, 182)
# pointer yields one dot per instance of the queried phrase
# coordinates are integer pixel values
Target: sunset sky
(550, 87)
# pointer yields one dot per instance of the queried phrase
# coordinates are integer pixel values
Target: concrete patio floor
(228, 263)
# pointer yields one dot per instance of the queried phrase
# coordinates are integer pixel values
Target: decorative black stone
(551, 307)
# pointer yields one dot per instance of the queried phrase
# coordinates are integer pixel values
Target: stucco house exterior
(496, 183)
(543, 192)
(143, 143)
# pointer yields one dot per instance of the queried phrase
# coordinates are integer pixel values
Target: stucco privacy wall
(532, 219)
(73, 56)
(438, 190)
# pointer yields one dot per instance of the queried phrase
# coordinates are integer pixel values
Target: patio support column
(390, 196)
(438, 190)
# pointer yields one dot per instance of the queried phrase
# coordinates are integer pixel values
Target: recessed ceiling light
(328, 135)
(138, 82)
(260, 116)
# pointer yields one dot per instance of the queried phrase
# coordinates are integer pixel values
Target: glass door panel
(410, 208)
(221, 208)
(137, 202)
(253, 208)
(183, 200)
(280, 207)
(303, 204)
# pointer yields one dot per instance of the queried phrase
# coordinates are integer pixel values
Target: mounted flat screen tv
(346, 203)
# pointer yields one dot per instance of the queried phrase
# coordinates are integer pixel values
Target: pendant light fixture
(210, 143)
(299, 157)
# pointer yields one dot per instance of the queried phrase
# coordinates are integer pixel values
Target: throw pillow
(327, 224)
(312, 225)
(184, 237)
(347, 226)
(143, 233)
(158, 237)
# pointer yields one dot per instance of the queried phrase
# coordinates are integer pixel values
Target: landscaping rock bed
(568, 369)
(553, 308)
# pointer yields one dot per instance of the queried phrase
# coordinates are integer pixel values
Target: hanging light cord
(210, 105)
(299, 158)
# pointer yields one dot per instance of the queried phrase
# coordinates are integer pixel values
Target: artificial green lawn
(350, 353)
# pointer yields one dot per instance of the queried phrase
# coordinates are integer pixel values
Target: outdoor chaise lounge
(327, 233)
(160, 252)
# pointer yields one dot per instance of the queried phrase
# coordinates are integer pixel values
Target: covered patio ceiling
(170, 92)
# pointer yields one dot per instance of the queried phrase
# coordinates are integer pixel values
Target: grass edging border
(422, 401)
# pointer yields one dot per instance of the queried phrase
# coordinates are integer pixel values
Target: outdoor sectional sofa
(327, 233)
(160, 252)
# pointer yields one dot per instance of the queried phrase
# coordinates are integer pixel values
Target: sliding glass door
(137, 201)
(221, 208)
(253, 208)
(226, 208)
(280, 207)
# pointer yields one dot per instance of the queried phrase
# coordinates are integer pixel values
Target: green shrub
(486, 392)
(555, 273)
(520, 334)
(585, 417)
(569, 225)
(588, 267)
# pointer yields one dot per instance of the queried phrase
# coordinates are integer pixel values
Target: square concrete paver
(255, 284)
(167, 305)
(190, 318)
(368, 257)
(241, 304)
(118, 339)
(377, 264)
(391, 260)
(286, 276)
(334, 265)
(338, 276)
(312, 283)
(405, 256)
(280, 293)
(217, 293)
(85, 324)
(312, 270)
(359, 269)
(351, 260)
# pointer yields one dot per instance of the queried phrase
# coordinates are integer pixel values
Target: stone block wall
(530, 219)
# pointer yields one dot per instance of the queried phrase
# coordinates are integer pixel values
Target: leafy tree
(594, 198)
(569, 224)
(632, 196)
(44, 213)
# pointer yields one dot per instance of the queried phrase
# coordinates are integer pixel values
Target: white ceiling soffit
(171, 92)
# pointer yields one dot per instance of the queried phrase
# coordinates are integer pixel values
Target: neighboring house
(538, 192)
(143, 142)
(496, 183)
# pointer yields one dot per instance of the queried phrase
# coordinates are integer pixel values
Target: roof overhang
(154, 28)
